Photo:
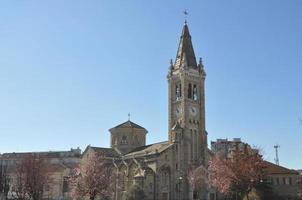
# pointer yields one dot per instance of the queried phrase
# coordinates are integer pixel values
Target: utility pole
(277, 157)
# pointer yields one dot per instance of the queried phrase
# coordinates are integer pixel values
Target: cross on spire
(185, 12)
(129, 116)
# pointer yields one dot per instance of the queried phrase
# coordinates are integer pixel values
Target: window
(191, 132)
(124, 140)
(195, 143)
(277, 181)
(212, 196)
(194, 93)
(165, 178)
(190, 91)
(290, 181)
(178, 92)
(272, 181)
(284, 181)
(136, 140)
(151, 187)
(65, 184)
(123, 181)
(195, 194)
(46, 188)
(177, 187)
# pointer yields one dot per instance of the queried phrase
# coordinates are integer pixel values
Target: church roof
(185, 53)
(276, 169)
(129, 124)
(108, 152)
(149, 149)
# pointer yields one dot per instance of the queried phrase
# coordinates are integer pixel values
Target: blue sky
(70, 70)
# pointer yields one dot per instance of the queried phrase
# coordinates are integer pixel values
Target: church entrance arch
(165, 182)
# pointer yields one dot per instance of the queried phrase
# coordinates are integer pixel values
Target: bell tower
(186, 80)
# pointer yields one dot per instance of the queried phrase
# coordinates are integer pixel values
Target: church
(162, 168)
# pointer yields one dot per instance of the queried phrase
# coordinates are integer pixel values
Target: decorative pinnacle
(171, 65)
(200, 61)
(200, 65)
(129, 116)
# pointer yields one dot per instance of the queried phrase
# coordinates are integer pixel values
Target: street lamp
(180, 179)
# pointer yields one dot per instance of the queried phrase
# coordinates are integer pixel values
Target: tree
(4, 181)
(32, 177)
(237, 175)
(93, 179)
(135, 192)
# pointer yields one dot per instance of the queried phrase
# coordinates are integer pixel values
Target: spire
(185, 54)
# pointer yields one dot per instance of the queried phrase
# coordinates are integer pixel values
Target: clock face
(193, 111)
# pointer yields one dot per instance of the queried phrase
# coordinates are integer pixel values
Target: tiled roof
(149, 149)
(276, 169)
(129, 124)
(45, 154)
(109, 152)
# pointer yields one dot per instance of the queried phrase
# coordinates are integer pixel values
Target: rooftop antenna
(277, 156)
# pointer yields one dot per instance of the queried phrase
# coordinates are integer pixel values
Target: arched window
(123, 181)
(124, 140)
(177, 93)
(195, 143)
(136, 140)
(194, 93)
(190, 91)
(180, 89)
(192, 141)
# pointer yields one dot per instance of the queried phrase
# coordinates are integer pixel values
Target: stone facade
(60, 165)
(283, 181)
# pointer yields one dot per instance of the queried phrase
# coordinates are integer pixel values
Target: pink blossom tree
(93, 178)
(237, 175)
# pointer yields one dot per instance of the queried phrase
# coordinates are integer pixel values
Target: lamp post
(180, 179)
